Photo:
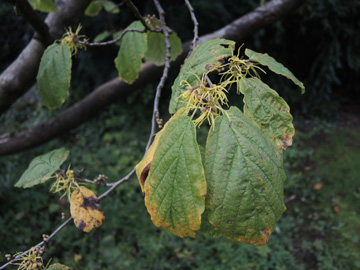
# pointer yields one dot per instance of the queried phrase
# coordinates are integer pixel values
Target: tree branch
(34, 19)
(21, 74)
(111, 91)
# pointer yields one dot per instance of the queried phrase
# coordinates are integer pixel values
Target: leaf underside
(266, 109)
(175, 189)
(244, 174)
(156, 49)
(42, 168)
(53, 78)
(205, 57)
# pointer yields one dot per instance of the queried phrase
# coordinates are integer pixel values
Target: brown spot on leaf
(82, 225)
(90, 202)
(144, 174)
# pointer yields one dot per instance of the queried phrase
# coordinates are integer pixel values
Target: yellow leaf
(84, 209)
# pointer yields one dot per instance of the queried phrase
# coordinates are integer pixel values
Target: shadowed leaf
(84, 209)
(156, 49)
(53, 78)
(43, 5)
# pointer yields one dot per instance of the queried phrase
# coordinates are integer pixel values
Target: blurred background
(319, 43)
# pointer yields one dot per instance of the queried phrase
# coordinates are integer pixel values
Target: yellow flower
(72, 39)
(65, 183)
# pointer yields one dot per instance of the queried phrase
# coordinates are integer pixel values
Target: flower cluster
(208, 97)
(30, 261)
(72, 39)
(66, 183)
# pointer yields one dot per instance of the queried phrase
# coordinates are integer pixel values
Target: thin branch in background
(196, 24)
(85, 42)
(39, 244)
(34, 19)
(164, 75)
(116, 184)
(136, 13)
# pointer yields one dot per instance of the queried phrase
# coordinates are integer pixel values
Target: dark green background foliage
(319, 44)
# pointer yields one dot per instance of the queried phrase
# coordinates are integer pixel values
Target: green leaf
(175, 189)
(110, 7)
(102, 36)
(207, 56)
(268, 111)
(132, 50)
(53, 78)
(58, 266)
(274, 66)
(93, 9)
(42, 168)
(43, 5)
(244, 173)
(156, 49)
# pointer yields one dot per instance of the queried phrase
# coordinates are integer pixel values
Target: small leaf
(42, 168)
(175, 189)
(110, 7)
(53, 78)
(245, 175)
(274, 66)
(84, 209)
(132, 50)
(102, 36)
(58, 266)
(43, 5)
(266, 109)
(205, 57)
(156, 49)
(93, 9)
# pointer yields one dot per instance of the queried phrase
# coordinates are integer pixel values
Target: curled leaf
(84, 209)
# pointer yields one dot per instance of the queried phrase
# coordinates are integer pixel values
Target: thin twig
(93, 182)
(196, 24)
(39, 244)
(137, 13)
(116, 184)
(164, 75)
(85, 42)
